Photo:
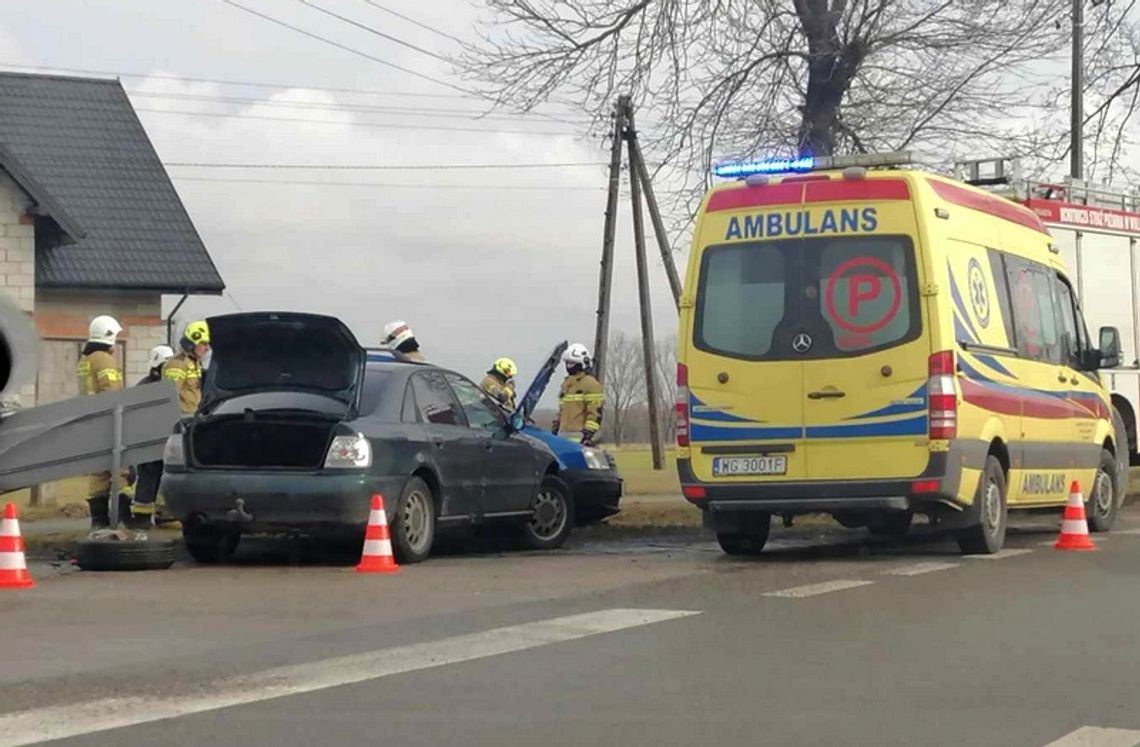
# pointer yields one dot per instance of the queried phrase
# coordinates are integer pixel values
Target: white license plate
(760, 465)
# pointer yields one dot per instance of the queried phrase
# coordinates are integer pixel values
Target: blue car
(589, 472)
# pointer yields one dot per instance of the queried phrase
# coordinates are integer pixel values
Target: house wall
(62, 317)
(17, 259)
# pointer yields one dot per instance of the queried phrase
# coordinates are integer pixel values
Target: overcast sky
(480, 263)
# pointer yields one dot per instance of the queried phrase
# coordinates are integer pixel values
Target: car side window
(1001, 290)
(434, 400)
(408, 412)
(1071, 342)
(1031, 288)
(481, 413)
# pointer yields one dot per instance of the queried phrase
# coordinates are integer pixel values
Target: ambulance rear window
(807, 298)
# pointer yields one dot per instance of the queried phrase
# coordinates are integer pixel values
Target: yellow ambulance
(872, 342)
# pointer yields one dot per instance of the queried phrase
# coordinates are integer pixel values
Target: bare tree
(665, 367)
(624, 384)
(735, 78)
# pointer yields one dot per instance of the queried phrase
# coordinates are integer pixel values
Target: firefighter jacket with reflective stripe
(580, 404)
(98, 372)
(186, 373)
(501, 391)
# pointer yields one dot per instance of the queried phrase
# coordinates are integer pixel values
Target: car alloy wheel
(549, 514)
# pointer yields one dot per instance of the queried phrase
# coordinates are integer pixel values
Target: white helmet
(397, 333)
(104, 329)
(577, 354)
(158, 355)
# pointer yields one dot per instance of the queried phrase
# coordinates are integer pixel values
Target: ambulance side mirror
(1109, 347)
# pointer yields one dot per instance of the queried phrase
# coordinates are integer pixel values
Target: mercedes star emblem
(801, 343)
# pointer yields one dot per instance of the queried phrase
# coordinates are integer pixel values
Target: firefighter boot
(125, 517)
(100, 511)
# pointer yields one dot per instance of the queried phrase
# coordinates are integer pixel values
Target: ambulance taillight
(682, 405)
(941, 396)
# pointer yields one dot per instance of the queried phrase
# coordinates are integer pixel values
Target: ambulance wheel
(988, 535)
(746, 543)
(1102, 505)
(891, 524)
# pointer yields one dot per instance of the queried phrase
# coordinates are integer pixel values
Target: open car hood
(282, 351)
(537, 387)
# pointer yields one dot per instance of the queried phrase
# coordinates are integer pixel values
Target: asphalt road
(827, 640)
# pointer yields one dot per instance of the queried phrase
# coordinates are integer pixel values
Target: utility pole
(1076, 103)
(606, 273)
(639, 180)
(648, 342)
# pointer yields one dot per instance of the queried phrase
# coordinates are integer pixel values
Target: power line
(414, 22)
(381, 167)
(393, 185)
(377, 32)
(344, 47)
(231, 82)
(381, 125)
(407, 110)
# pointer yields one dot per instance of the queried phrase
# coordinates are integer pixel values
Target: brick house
(89, 224)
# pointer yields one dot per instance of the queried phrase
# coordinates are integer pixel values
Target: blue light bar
(764, 166)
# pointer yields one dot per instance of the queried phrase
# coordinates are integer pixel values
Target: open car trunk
(267, 442)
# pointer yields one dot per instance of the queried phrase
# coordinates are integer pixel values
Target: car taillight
(941, 396)
(347, 452)
(682, 405)
(174, 453)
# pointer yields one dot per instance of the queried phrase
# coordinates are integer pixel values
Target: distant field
(635, 463)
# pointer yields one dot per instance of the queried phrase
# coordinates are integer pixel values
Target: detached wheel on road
(124, 555)
(553, 518)
(1102, 504)
(988, 536)
(750, 542)
(412, 522)
(209, 543)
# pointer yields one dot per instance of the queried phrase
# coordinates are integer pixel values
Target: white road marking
(1098, 736)
(920, 568)
(1128, 531)
(811, 590)
(70, 720)
(1000, 555)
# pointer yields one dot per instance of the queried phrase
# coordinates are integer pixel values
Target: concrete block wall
(17, 245)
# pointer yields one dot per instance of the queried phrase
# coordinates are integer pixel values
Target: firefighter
(185, 368)
(399, 337)
(499, 383)
(581, 398)
(98, 372)
(149, 475)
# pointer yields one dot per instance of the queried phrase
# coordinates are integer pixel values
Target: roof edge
(164, 289)
(36, 191)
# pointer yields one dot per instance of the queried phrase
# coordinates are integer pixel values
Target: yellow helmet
(506, 367)
(197, 333)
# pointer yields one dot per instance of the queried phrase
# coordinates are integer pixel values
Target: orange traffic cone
(1074, 526)
(13, 565)
(377, 554)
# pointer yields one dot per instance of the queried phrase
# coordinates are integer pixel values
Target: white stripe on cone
(1074, 526)
(377, 518)
(10, 528)
(12, 561)
(378, 547)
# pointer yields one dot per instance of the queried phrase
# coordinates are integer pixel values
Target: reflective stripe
(1078, 526)
(573, 398)
(142, 508)
(378, 547)
(10, 528)
(592, 425)
(377, 518)
(594, 397)
(174, 373)
(109, 374)
(12, 561)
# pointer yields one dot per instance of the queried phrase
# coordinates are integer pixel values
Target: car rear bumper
(597, 492)
(937, 486)
(271, 501)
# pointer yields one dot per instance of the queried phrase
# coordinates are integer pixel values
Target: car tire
(124, 555)
(210, 544)
(988, 535)
(412, 522)
(1102, 505)
(891, 524)
(553, 519)
(748, 539)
